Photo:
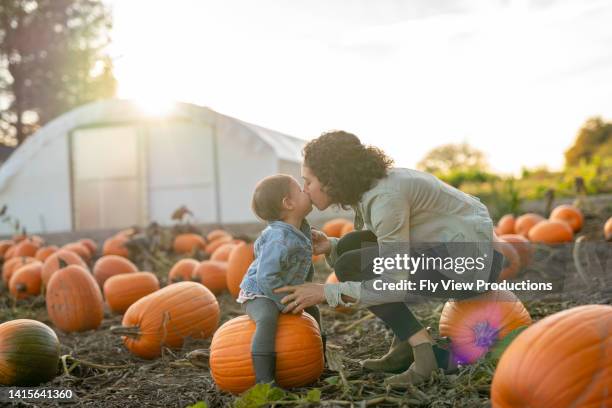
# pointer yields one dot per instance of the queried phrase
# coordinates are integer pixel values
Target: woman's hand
(301, 296)
(320, 242)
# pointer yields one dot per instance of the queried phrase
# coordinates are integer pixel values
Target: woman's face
(314, 189)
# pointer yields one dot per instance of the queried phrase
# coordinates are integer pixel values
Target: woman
(402, 211)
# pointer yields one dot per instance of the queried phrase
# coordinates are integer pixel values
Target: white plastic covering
(62, 178)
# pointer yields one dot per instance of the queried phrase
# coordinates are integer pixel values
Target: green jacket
(410, 206)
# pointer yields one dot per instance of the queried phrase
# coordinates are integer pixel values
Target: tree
(594, 139)
(51, 60)
(452, 158)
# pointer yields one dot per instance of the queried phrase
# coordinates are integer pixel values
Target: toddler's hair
(267, 203)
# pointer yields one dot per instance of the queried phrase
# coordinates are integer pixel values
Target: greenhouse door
(107, 178)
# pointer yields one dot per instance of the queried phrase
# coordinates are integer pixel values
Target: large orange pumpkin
(43, 253)
(512, 262)
(348, 227)
(551, 232)
(570, 214)
(222, 253)
(52, 263)
(505, 225)
(475, 325)
(182, 270)
(212, 246)
(27, 247)
(521, 245)
(563, 360)
(26, 281)
(608, 229)
(4, 246)
(115, 245)
(111, 265)
(216, 233)
(333, 228)
(166, 317)
(211, 274)
(11, 265)
(29, 353)
(525, 222)
(239, 261)
(299, 353)
(74, 300)
(79, 249)
(187, 243)
(90, 244)
(121, 291)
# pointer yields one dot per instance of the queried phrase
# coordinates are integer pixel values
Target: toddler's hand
(320, 242)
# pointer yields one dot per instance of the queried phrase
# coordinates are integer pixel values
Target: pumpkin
(26, 280)
(10, 251)
(348, 227)
(52, 263)
(512, 261)
(213, 245)
(4, 246)
(182, 270)
(238, 263)
(525, 222)
(299, 353)
(115, 246)
(27, 247)
(12, 265)
(166, 317)
(521, 245)
(551, 232)
(111, 265)
(121, 291)
(608, 229)
(222, 252)
(211, 274)
(188, 243)
(29, 353)
(475, 325)
(332, 278)
(74, 300)
(333, 228)
(90, 244)
(43, 253)
(79, 249)
(563, 360)
(569, 214)
(505, 225)
(217, 233)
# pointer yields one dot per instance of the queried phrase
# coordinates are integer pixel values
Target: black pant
(355, 263)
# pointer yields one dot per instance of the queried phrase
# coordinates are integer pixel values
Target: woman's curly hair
(345, 167)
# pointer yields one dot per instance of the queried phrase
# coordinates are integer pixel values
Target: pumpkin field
(148, 317)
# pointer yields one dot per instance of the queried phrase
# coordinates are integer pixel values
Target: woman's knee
(356, 240)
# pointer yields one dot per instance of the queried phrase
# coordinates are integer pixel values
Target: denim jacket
(283, 256)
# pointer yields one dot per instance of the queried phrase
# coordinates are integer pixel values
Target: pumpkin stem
(132, 331)
(21, 287)
(62, 263)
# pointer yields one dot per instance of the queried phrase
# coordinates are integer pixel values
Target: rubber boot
(424, 364)
(398, 358)
(265, 367)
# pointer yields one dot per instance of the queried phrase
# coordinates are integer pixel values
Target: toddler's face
(301, 200)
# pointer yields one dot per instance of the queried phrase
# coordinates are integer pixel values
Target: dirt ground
(102, 373)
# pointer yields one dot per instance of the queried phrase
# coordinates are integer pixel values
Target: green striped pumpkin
(29, 352)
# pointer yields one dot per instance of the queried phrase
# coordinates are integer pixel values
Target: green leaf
(259, 395)
(333, 380)
(498, 349)
(199, 404)
(314, 395)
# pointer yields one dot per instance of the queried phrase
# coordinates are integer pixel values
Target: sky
(515, 79)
